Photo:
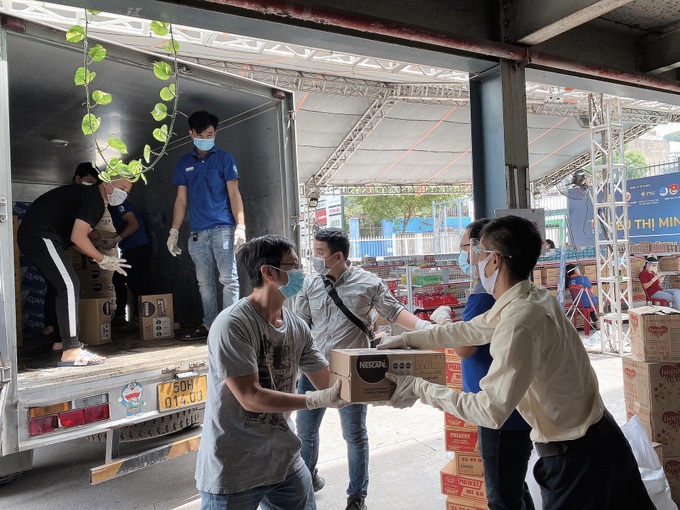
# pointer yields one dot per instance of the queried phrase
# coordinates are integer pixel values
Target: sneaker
(201, 332)
(355, 502)
(317, 482)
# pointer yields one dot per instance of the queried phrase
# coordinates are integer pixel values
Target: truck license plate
(182, 393)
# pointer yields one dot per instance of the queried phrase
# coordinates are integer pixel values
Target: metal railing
(404, 245)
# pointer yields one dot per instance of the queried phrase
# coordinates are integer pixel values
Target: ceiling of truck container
(363, 118)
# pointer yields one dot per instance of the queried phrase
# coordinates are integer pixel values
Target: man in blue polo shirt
(207, 183)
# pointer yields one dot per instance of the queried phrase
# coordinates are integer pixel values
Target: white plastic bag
(534, 488)
(648, 463)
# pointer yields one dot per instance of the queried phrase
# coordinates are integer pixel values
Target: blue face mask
(204, 144)
(463, 262)
(296, 278)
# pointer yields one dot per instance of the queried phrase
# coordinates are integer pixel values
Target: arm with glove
(179, 209)
(131, 226)
(236, 203)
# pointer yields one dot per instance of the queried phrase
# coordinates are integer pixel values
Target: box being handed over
(362, 371)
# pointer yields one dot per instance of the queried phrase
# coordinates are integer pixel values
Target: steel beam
(661, 53)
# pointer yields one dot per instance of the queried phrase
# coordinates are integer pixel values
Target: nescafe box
(362, 371)
(95, 320)
(156, 317)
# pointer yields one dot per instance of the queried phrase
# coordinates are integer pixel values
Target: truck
(146, 388)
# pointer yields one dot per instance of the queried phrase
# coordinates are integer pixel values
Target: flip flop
(84, 359)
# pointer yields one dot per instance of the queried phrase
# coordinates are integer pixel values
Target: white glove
(441, 315)
(329, 397)
(405, 394)
(110, 263)
(392, 342)
(111, 242)
(172, 242)
(423, 324)
(239, 236)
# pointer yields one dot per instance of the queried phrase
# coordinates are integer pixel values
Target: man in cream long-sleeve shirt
(541, 368)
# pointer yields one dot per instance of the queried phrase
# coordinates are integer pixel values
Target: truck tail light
(66, 415)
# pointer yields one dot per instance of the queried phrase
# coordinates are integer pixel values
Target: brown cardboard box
(662, 426)
(95, 320)
(106, 223)
(156, 317)
(538, 279)
(655, 333)
(453, 421)
(589, 270)
(94, 275)
(669, 264)
(362, 371)
(637, 264)
(455, 503)
(674, 282)
(467, 464)
(651, 385)
(468, 487)
(460, 440)
(454, 375)
(638, 291)
(97, 290)
(550, 275)
(671, 466)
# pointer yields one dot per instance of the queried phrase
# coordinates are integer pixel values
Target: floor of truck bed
(126, 352)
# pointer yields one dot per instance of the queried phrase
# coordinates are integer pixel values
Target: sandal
(84, 359)
(201, 332)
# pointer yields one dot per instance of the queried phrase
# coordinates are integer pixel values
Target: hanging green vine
(115, 167)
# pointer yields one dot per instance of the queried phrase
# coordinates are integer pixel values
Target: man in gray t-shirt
(249, 454)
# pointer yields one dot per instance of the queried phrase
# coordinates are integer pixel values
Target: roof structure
(367, 123)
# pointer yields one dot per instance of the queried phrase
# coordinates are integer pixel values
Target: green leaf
(159, 112)
(144, 178)
(147, 153)
(83, 76)
(172, 47)
(93, 12)
(162, 70)
(75, 34)
(118, 145)
(136, 168)
(97, 53)
(102, 98)
(161, 133)
(160, 28)
(90, 124)
(113, 164)
(168, 93)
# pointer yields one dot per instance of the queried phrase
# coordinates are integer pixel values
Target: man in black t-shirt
(57, 220)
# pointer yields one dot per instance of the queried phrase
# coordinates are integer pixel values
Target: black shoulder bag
(330, 288)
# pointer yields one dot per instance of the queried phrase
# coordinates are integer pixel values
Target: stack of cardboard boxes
(462, 479)
(652, 382)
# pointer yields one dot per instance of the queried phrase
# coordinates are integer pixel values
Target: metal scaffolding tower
(611, 219)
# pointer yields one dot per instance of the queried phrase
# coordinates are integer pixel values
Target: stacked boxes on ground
(651, 377)
(462, 479)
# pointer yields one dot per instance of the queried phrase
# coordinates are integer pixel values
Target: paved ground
(407, 452)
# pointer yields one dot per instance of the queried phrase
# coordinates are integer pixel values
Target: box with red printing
(652, 385)
(467, 487)
(454, 503)
(460, 440)
(454, 376)
(671, 466)
(655, 333)
(662, 426)
(453, 421)
(467, 464)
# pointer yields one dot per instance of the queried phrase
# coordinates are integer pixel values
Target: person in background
(505, 451)
(56, 220)
(549, 245)
(577, 284)
(249, 453)
(134, 245)
(207, 183)
(539, 367)
(360, 292)
(650, 280)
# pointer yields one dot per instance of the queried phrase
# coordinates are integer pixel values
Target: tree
(397, 208)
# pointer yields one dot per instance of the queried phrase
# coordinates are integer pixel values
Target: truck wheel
(158, 426)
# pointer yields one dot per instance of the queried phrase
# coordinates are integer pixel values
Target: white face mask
(319, 265)
(488, 282)
(85, 183)
(117, 196)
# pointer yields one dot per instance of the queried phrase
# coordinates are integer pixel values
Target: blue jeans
(669, 295)
(505, 457)
(353, 423)
(209, 249)
(294, 492)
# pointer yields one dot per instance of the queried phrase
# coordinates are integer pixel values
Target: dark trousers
(505, 457)
(50, 258)
(594, 473)
(137, 279)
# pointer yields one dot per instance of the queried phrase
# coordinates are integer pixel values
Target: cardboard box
(662, 426)
(156, 317)
(106, 223)
(671, 466)
(453, 421)
(454, 375)
(94, 275)
(460, 440)
(637, 264)
(97, 290)
(467, 464)
(674, 282)
(589, 270)
(669, 264)
(95, 320)
(638, 293)
(655, 333)
(451, 355)
(538, 279)
(467, 487)
(454, 503)
(362, 371)
(550, 275)
(651, 385)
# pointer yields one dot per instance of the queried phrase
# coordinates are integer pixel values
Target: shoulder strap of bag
(330, 288)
